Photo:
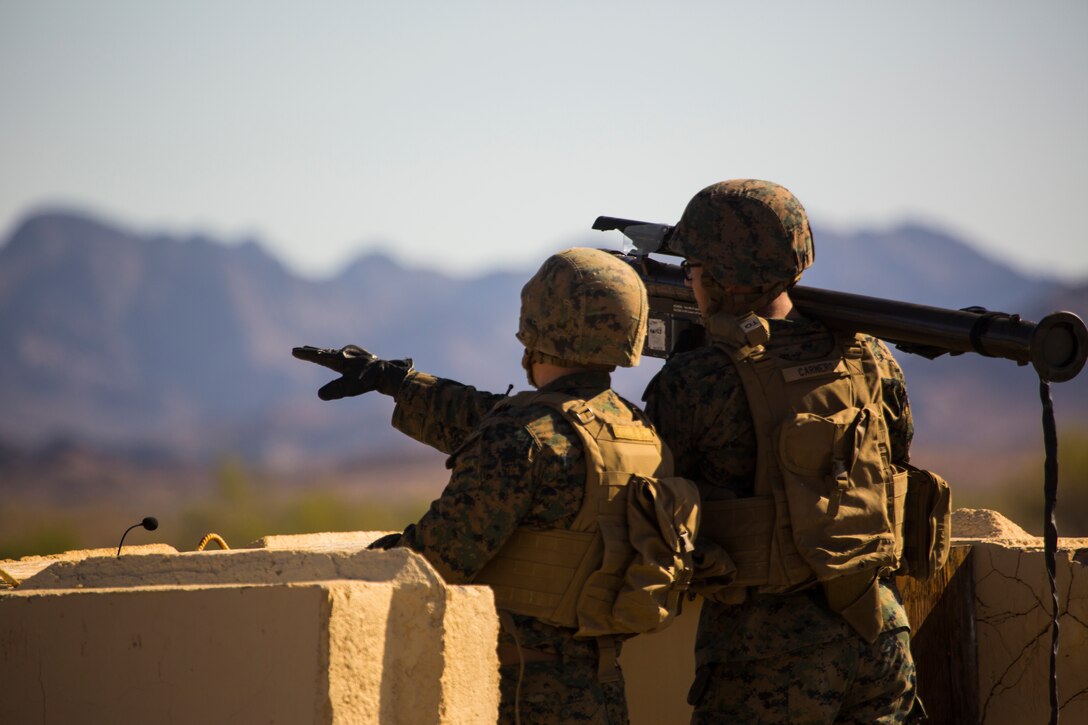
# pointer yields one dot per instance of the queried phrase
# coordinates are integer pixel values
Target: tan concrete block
(15, 571)
(248, 636)
(430, 660)
(470, 675)
(1012, 613)
(323, 540)
(239, 566)
(241, 654)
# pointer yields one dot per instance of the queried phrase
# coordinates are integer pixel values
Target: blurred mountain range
(179, 348)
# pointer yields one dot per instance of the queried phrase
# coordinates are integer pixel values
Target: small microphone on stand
(150, 523)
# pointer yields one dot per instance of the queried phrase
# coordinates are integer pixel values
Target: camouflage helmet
(746, 232)
(586, 307)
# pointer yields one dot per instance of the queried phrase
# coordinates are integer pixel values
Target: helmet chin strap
(527, 366)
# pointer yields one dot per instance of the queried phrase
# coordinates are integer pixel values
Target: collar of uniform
(577, 382)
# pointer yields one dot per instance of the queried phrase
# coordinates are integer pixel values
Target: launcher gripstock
(1056, 346)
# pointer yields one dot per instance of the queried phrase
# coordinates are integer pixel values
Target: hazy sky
(479, 134)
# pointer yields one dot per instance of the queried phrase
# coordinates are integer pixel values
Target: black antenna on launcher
(150, 523)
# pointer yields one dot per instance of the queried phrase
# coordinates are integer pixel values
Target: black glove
(360, 371)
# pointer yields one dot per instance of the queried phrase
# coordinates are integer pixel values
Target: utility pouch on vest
(927, 523)
(836, 489)
(628, 557)
(648, 559)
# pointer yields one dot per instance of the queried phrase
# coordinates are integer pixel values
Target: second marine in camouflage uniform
(521, 465)
(774, 658)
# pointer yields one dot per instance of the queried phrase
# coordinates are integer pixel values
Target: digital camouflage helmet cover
(748, 233)
(584, 307)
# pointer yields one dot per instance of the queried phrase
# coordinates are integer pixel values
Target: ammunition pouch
(927, 523)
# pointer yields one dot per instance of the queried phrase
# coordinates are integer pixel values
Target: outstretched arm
(435, 411)
(440, 412)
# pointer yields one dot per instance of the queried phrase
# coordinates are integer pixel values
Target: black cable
(150, 523)
(1050, 532)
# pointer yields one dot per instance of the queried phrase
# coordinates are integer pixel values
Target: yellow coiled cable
(208, 538)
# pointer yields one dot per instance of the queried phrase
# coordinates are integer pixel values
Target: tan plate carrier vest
(828, 504)
(625, 562)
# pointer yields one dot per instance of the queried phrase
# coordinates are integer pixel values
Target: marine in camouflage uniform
(775, 658)
(584, 312)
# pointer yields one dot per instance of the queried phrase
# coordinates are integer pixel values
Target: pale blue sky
(480, 134)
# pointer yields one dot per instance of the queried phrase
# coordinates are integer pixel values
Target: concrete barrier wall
(191, 643)
(318, 630)
(1013, 629)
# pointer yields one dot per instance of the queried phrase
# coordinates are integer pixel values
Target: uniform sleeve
(439, 412)
(897, 413)
(490, 491)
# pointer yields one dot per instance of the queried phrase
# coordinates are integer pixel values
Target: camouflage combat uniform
(518, 466)
(778, 658)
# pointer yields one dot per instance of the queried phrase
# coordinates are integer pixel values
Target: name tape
(814, 370)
